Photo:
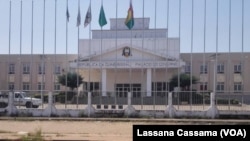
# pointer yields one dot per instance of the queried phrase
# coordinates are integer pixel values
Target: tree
(185, 80)
(71, 80)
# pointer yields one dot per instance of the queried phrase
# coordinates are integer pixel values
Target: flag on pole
(102, 17)
(130, 17)
(67, 14)
(78, 17)
(88, 17)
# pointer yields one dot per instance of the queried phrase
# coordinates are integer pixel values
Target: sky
(197, 23)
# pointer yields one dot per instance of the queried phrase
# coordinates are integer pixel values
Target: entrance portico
(127, 73)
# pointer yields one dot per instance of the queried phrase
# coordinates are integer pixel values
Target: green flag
(102, 18)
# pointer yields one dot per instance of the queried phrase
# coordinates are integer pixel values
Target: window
(41, 69)
(220, 86)
(203, 86)
(237, 86)
(203, 69)
(11, 68)
(94, 86)
(159, 88)
(11, 86)
(237, 68)
(57, 69)
(41, 86)
(26, 86)
(123, 89)
(26, 68)
(57, 86)
(220, 68)
(187, 68)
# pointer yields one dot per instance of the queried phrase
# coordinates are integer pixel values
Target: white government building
(122, 60)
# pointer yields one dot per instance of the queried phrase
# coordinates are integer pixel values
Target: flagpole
(155, 89)
(32, 28)
(78, 36)
(229, 50)
(89, 54)
(116, 11)
(101, 88)
(43, 57)
(242, 44)
(191, 59)
(142, 54)
(204, 49)
(9, 88)
(55, 65)
(216, 54)
(20, 61)
(66, 76)
(167, 80)
(130, 70)
(178, 90)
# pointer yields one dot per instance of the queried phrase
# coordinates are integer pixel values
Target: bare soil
(86, 130)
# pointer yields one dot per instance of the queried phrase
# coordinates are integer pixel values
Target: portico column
(104, 82)
(149, 81)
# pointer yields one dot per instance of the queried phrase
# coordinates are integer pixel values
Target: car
(20, 99)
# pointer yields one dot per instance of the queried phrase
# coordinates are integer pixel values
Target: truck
(20, 99)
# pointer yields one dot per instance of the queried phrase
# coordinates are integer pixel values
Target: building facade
(33, 72)
(141, 60)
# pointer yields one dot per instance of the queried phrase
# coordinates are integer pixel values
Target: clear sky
(221, 36)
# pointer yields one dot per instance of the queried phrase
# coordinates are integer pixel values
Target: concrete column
(170, 111)
(12, 110)
(89, 98)
(212, 111)
(89, 110)
(130, 110)
(104, 82)
(50, 110)
(129, 98)
(149, 81)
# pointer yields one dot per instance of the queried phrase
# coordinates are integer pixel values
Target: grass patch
(36, 136)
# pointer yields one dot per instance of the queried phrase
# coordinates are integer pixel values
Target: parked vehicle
(20, 99)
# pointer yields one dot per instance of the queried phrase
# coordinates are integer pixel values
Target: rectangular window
(220, 86)
(41, 86)
(57, 69)
(237, 86)
(220, 68)
(57, 86)
(26, 68)
(187, 68)
(159, 88)
(203, 86)
(203, 69)
(237, 68)
(11, 86)
(11, 68)
(26, 86)
(123, 89)
(41, 69)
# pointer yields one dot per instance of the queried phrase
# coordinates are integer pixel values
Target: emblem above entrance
(126, 52)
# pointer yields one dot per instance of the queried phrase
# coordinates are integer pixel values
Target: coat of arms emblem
(126, 52)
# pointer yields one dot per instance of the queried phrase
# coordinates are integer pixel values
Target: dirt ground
(85, 130)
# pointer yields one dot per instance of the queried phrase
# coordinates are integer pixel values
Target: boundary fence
(161, 104)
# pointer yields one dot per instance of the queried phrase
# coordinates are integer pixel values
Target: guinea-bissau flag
(130, 17)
